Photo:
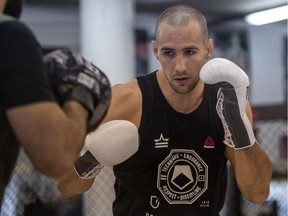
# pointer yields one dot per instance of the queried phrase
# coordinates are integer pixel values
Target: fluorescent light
(268, 16)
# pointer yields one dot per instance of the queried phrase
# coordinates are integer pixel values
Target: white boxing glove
(113, 142)
(232, 100)
(110, 144)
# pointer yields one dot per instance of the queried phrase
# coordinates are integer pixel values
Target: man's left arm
(252, 168)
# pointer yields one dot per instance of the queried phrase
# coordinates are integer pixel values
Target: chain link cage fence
(29, 193)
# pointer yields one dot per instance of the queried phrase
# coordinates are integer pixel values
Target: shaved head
(181, 15)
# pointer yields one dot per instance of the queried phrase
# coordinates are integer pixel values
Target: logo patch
(154, 202)
(161, 142)
(182, 177)
(209, 142)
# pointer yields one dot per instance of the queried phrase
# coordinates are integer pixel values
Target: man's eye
(189, 52)
(168, 53)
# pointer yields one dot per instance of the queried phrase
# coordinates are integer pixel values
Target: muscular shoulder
(126, 102)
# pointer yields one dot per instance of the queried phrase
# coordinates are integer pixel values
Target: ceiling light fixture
(267, 16)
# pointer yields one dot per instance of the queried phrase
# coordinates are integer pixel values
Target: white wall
(267, 47)
(53, 26)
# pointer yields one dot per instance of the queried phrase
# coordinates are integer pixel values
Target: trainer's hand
(82, 80)
(232, 100)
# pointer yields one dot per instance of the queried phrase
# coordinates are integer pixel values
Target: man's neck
(183, 103)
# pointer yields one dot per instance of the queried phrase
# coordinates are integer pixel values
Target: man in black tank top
(188, 128)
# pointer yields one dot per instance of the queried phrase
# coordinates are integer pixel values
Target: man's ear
(154, 47)
(210, 48)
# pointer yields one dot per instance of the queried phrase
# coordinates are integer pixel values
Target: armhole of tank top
(146, 114)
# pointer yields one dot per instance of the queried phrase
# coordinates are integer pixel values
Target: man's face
(182, 51)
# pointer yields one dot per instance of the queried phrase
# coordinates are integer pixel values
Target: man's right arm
(125, 106)
(111, 144)
(71, 184)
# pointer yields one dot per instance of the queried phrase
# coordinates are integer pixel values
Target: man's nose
(180, 63)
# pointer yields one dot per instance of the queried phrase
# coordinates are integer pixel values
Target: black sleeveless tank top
(180, 168)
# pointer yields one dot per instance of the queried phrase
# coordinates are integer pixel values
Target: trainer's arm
(52, 137)
(252, 168)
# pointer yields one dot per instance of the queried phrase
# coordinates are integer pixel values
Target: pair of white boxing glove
(116, 141)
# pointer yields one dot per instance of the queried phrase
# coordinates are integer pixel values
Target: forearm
(71, 185)
(81, 177)
(253, 171)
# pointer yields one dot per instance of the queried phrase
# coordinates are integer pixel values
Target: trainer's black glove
(90, 86)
